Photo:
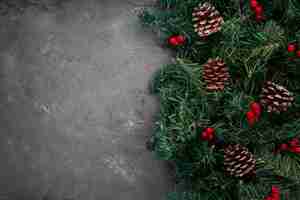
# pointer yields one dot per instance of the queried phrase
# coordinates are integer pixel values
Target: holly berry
(275, 190)
(275, 193)
(173, 41)
(208, 134)
(253, 4)
(180, 39)
(176, 40)
(258, 10)
(210, 130)
(291, 48)
(295, 149)
(298, 53)
(255, 108)
(294, 142)
(284, 147)
(204, 135)
(251, 118)
(210, 137)
(269, 198)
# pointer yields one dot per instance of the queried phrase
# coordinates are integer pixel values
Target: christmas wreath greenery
(229, 116)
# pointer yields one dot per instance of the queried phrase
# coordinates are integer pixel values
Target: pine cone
(238, 161)
(207, 20)
(276, 98)
(215, 74)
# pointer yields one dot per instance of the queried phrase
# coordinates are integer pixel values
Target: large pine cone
(238, 161)
(207, 20)
(276, 98)
(215, 74)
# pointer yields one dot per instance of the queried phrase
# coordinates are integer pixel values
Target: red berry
(275, 193)
(269, 198)
(284, 147)
(275, 197)
(298, 53)
(250, 115)
(294, 142)
(173, 41)
(291, 48)
(210, 130)
(251, 118)
(204, 135)
(255, 108)
(295, 150)
(207, 136)
(180, 39)
(253, 4)
(275, 190)
(211, 137)
(258, 10)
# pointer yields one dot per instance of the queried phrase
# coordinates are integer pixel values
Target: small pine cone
(276, 98)
(238, 161)
(207, 19)
(215, 74)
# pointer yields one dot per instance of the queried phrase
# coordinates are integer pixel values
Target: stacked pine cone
(215, 74)
(207, 20)
(238, 161)
(276, 98)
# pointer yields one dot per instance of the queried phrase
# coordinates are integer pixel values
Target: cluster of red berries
(208, 134)
(254, 113)
(292, 146)
(275, 194)
(292, 48)
(257, 8)
(176, 40)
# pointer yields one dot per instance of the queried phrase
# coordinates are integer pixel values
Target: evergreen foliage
(255, 53)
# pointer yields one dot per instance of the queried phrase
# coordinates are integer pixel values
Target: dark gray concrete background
(75, 112)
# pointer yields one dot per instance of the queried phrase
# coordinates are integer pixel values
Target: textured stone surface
(75, 112)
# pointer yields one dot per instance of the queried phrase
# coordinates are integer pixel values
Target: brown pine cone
(207, 19)
(215, 74)
(239, 161)
(276, 98)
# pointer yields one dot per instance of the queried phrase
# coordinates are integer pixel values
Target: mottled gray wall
(75, 112)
